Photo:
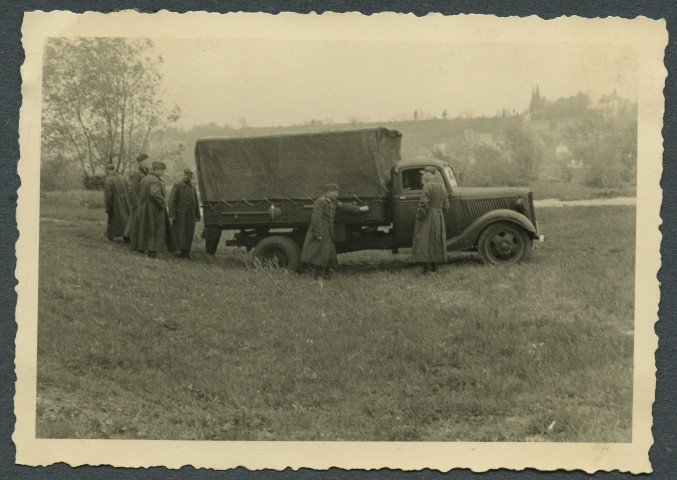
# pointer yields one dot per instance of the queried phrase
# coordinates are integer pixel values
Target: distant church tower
(537, 102)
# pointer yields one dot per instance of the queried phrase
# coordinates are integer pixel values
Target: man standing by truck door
(184, 210)
(319, 250)
(430, 237)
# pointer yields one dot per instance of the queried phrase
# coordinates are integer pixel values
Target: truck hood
(490, 192)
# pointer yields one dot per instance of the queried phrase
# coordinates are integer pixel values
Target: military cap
(110, 166)
(141, 157)
(188, 171)
(159, 166)
(432, 170)
(330, 187)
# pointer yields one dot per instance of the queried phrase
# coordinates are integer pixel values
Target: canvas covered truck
(263, 188)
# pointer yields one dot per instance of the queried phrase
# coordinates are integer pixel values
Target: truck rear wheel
(278, 251)
(503, 243)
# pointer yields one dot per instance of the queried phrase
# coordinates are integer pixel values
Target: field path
(591, 202)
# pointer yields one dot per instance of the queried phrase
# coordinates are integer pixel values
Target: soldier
(134, 204)
(319, 250)
(117, 208)
(184, 210)
(155, 229)
(430, 237)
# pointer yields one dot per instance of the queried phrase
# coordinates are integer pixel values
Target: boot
(152, 254)
(434, 267)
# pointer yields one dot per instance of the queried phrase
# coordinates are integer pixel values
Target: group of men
(140, 212)
(430, 238)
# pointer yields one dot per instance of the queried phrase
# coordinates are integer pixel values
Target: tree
(522, 151)
(102, 100)
(607, 148)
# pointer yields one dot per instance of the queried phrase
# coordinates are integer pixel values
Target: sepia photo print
(337, 240)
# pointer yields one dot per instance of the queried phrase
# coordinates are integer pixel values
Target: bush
(93, 182)
(58, 174)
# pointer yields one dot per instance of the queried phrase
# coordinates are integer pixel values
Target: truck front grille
(477, 208)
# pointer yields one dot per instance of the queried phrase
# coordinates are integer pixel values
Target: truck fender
(468, 238)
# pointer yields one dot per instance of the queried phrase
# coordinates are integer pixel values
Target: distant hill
(565, 140)
(418, 136)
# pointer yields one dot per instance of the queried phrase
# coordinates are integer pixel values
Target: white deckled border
(650, 39)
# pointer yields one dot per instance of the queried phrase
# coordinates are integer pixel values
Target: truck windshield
(451, 178)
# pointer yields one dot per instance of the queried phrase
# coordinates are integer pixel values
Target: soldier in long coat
(184, 210)
(134, 203)
(319, 249)
(430, 237)
(155, 228)
(117, 208)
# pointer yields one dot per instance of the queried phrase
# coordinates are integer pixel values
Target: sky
(284, 82)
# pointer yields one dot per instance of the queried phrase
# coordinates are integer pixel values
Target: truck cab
(498, 222)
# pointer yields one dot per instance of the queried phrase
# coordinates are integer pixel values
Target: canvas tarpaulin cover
(296, 166)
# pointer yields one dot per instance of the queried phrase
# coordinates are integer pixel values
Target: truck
(262, 189)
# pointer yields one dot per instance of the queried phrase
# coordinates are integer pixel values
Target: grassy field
(217, 348)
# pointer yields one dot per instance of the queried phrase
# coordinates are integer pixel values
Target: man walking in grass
(319, 250)
(117, 208)
(143, 167)
(184, 210)
(155, 229)
(430, 237)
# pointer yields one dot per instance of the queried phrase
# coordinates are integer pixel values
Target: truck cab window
(411, 179)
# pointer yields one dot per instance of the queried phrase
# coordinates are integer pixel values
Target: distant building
(612, 105)
(473, 138)
(564, 157)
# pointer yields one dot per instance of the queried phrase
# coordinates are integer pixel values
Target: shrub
(57, 174)
(93, 182)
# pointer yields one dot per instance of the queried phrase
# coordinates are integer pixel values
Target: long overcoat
(322, 253)
(184, 210)
(430, 236)
(155, 228)
(134, 203)
(117, 207)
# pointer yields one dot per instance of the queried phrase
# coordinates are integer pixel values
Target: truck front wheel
(503, 243)
(278, 251)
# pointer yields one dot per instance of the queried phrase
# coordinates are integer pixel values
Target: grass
(219, 348)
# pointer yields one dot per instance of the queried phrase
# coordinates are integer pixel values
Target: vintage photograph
(306, 235)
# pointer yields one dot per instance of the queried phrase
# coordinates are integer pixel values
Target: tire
(504, 243)
(279, 251)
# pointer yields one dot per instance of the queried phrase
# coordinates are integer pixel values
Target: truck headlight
(519, 205)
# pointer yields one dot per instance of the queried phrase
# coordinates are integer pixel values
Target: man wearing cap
(143, 167)
(155, 229)
(319, 250)
(430, 237)
(184, 210)
(117, 208)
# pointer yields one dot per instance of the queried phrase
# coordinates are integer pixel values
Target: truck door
(407, 192)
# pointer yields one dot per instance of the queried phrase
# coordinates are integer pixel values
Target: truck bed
(288, 213)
